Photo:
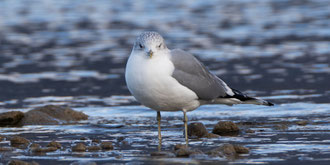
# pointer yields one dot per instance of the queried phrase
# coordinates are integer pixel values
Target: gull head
(149, 43)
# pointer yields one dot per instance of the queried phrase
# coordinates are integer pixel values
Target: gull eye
(141, 46)
(160, 45)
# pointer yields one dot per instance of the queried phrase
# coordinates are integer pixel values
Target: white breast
(151, 83)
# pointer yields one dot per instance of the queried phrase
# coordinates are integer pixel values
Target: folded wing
(193, 74)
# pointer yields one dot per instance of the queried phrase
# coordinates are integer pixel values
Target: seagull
(174, 80)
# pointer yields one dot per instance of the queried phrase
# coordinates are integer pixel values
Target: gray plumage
(147, 38)
(191, 73)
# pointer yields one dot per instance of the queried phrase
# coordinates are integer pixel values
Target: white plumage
(150, 81)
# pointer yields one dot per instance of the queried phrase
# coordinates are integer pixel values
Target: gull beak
(150, 53)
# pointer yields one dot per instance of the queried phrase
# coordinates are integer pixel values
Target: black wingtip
(242, 97)
(270, 104)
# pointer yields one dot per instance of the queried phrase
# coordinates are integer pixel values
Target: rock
(212, 135)
(62, 113)
(179, 146)
(80, 147)
(183, 152)
(20, 162)
(197, 129)
(17, 140)
(226, 128)
(302, 122)
(38, 118)
(165, 154)
(83, 163)
(94, 148)
(241, 149)
(10, 118)
(225, 150)
(228, 151)
(43, 149)
(106, 145)
(51, 115)
(187, 152)
(54, 144)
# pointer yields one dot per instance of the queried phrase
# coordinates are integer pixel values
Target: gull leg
(185, 120)
(159, 132)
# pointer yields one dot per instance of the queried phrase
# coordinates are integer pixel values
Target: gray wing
(193, 74)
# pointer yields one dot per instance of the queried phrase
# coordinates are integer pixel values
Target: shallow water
(277, 137)
(74, 54)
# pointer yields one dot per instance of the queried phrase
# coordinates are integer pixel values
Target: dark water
(74, 53)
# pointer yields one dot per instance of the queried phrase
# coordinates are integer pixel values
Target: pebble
(94, 148)
(80, 147)
(186, 152)
(226, 128)
(228, 151)
(197, 129)
(54, 144)
(106, 145)
(225, 150)
(43, 149)
(17, 140)
(241, 149)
